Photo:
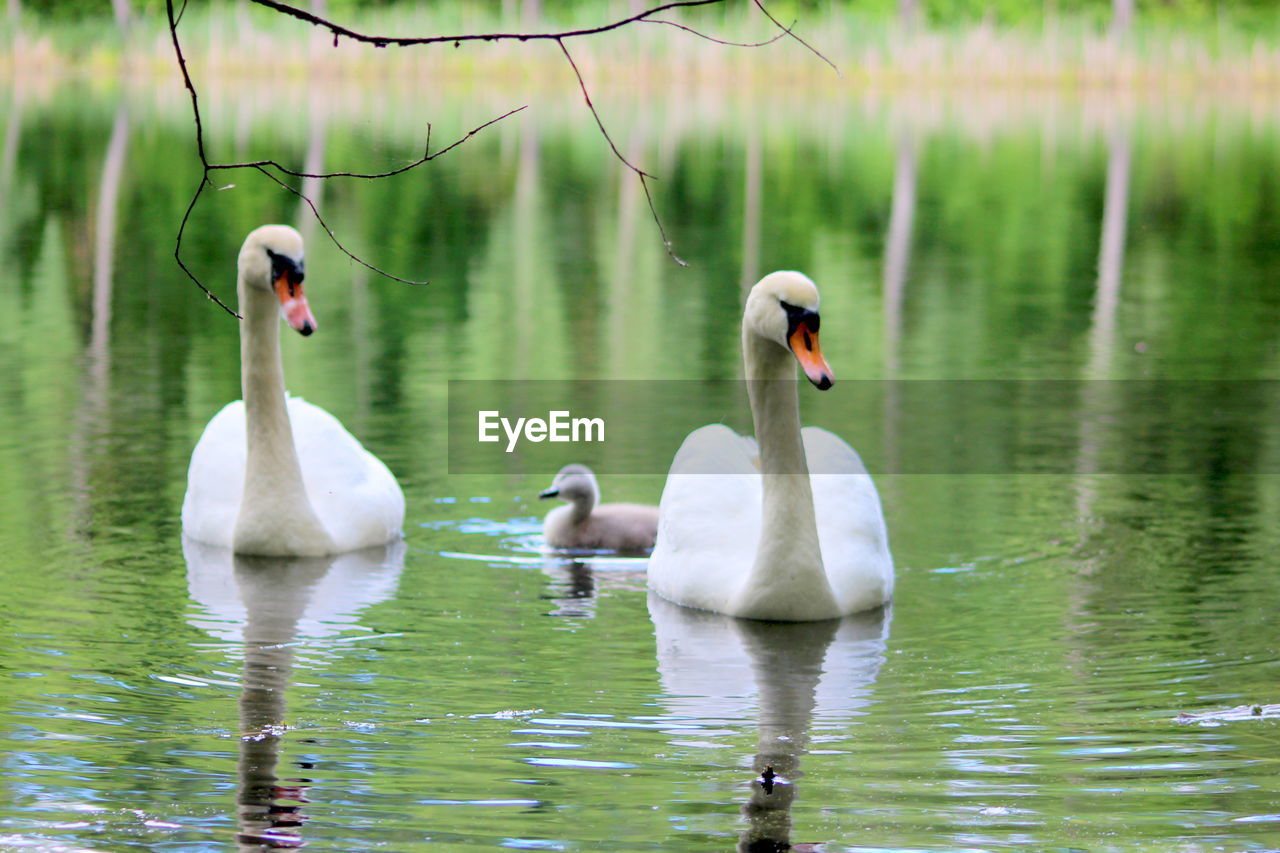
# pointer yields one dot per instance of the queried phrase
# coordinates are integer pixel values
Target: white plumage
(273, 475)
(744, 528)
(351, 491)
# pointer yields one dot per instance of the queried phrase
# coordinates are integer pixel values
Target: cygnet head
(783, 308)
(271, 259)
(575, 484)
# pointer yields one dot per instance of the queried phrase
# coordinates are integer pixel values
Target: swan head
(783, 308)
(272, 259)
(575, 484)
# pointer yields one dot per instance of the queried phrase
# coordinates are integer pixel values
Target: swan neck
(261, 370)
(788, 564)
(775, 407)
(274, 507)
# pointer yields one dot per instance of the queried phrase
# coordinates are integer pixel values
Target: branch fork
(273, 170)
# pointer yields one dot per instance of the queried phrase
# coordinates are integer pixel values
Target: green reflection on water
(1047, 628)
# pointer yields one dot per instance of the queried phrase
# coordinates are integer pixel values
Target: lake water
(1102, 561)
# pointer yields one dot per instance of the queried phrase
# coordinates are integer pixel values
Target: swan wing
(708, 520)
(352, 492)
(215, 478)
(851, 528)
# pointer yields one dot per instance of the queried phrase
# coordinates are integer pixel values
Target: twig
(791, 32)
(640, 173)
(263, 166)
(338, 30)
(177, 249)
(425, 158)
(325, 225)
(400, 41)
(786, 31)
(587, 97)
(204, 177)
(666, 242)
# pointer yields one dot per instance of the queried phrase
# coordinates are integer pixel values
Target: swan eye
(797, 315)
(283, 265)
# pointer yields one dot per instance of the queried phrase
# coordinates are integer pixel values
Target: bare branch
(791, 32)
(401, 41)
(204, 177)
(263, 166)
(425, 158)
(325, 225)
(177, 249)
(666, 243)
(586, 96)
(640, 173)
(470, 134)
(786, 31)
(186, 80)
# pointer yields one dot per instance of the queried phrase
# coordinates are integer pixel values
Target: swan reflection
(271, 605)
(790, 676)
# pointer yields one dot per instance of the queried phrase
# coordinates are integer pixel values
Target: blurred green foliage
(936, 12)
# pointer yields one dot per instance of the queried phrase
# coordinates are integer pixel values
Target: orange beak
(804, 345)
(293, 304)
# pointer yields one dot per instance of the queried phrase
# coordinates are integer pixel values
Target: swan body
(273, 475)
(745, 528)
(355, 498)
(586, 524)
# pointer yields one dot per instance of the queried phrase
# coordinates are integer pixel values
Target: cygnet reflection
(575, 583)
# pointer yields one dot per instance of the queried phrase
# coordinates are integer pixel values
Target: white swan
(749, 532)
(587, 524)
(274, 475)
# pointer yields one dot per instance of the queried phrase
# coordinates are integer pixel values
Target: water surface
(466, 689)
